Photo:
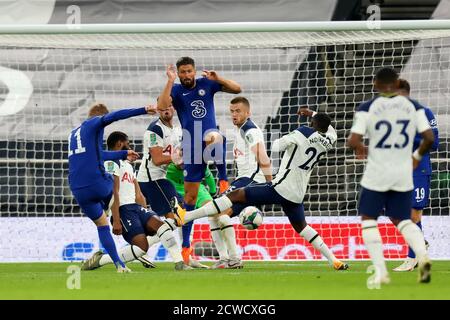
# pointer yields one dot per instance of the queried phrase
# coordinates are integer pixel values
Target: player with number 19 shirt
(390, 122)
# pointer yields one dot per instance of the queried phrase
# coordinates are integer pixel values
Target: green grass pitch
(258, 280)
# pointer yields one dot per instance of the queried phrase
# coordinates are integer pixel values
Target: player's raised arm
(165, 100)
(228, 85)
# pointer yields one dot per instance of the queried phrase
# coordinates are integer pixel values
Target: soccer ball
(251, 218)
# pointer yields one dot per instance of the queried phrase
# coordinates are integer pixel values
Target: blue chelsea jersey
(86, 154)
(424, 167)
(196, 105)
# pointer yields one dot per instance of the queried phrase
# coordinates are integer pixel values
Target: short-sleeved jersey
(195, 106)
(303, 147)
(245, 138)
(124, 170)
(86, 154)
(390, 124)
(157, 135)
(424, 167)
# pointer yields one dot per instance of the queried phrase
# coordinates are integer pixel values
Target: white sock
(372, 240)
(216, 235)
(126, 254)
(313, 237)
(152, 240)
(165, 234)
(211, 208)
(229, 236)
(414, 237)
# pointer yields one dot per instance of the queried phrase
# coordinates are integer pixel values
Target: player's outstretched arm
(131, 155)
(165, 100)
(111, 117)
(281, 144)
(263, 160)
(117, 227)
(228, 85)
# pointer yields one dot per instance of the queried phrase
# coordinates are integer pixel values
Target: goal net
(48, 81)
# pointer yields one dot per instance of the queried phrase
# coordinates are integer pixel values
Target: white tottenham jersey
(390, 124)
(157, 135)
(303, 147)
(124, 170)
(245, 138)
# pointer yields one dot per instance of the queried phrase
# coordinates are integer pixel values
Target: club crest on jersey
(110, 167)
(152, 139)
(201, 92)
(249, 138)
(199, 109)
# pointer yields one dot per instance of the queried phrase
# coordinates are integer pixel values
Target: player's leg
(194, 174)
(216, 145)
(226, 201)
(132, 229)
(158, 194)
(398, 208)
(370, 206)
(296, 215)
(218, 240)
(420, 199)
(164, 231)
(91, 201)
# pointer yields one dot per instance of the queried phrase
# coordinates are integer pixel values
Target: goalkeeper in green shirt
(207, 189)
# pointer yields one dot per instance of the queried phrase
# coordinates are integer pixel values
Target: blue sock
(222, 168)
(107, 241)
(187, 228)
(411, 253)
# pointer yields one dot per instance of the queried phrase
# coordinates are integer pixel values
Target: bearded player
(193, 99)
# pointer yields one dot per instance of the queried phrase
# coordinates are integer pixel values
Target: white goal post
(51, 74)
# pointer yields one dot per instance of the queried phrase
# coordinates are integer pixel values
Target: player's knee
(213, 137)
(299, 225)
(416, 215)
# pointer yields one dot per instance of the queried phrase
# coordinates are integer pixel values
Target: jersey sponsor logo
(127, 177)
(185, 93)
(201, 92)
(168, 149)
(199, 109)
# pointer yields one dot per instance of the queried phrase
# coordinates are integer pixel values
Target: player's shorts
(265, 193)
(94, 199)
(421, 192)
(194, 172)
(395, 204)
(134, 218)
(237, 184)
(158, 194)
(202, 197)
